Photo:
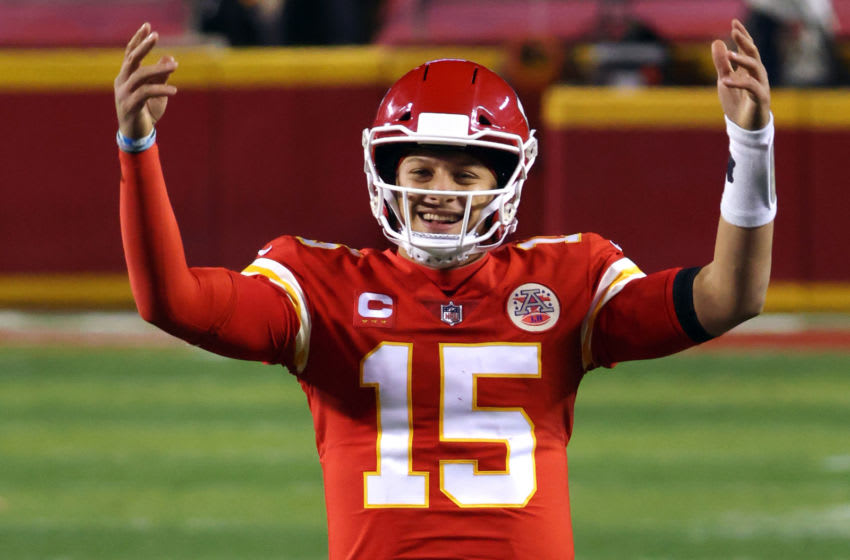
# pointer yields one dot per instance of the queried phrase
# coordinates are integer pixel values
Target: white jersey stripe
(619, 274)
(541, 240)
(281, 277)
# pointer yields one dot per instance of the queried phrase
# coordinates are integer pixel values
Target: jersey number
(394, 483)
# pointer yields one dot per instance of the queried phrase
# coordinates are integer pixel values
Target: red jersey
(443, 400)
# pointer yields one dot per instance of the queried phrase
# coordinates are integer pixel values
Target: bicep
(240, 317)
(651, 317)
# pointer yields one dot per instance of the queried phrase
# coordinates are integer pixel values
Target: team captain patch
(534, 307)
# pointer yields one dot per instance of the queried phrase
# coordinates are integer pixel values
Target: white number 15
(394, 483)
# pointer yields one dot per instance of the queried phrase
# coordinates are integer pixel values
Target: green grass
(153, 453)
(701, 456)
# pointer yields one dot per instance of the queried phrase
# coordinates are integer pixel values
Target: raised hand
(742, 80)
(141, 92)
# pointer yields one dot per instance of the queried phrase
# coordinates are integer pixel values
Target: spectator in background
(237, 21)
(327, 22)
(796, 41)
(289, 22)
(627, 51)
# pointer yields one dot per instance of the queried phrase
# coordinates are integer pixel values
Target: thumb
(721, 61)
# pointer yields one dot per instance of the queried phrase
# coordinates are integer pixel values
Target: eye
(420, 172)
(466, 178)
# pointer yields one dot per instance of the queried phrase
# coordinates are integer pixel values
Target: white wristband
(749, 197)
(134, 146)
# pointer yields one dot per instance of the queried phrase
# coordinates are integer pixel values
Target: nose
(441, 181)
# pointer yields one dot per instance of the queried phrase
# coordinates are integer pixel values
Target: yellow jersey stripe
(612, 282)
(252, 270)
(281, 277)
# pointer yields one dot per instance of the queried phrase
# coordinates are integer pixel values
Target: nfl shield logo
(451, 314)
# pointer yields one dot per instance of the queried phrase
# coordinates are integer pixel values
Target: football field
(169, 452)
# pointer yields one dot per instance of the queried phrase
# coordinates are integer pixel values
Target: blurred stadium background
(117, 442)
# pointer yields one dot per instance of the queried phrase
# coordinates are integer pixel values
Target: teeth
(438, 218)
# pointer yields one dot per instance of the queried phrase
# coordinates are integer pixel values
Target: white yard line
(789, 323)
(84, 328)
(126, 327)
(831, 521)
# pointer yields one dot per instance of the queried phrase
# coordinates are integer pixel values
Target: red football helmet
(449, 103)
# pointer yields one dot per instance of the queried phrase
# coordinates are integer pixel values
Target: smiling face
(438, 171)
(439, 108)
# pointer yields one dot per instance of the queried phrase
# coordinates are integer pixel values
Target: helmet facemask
(385, 146)
(455, 106)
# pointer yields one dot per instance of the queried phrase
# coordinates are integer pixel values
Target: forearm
(159, 276)
(732, 288)
(215, 308)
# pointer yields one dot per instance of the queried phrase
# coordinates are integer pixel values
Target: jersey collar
(448, 279)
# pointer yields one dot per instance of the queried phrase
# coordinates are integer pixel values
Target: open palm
(141, 92)
(742, 84)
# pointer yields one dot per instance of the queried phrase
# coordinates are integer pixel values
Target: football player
(442, 375)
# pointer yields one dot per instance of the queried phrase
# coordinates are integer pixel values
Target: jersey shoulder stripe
(533, 242)
(284, 279)
(615, 278)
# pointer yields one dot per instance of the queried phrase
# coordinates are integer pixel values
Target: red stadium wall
(237, 174)
(262, 143)
(646, 168)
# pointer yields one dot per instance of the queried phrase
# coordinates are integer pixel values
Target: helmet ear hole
(490, 220)
(484, 121)
(387, 159)
(405, 117)
(391, 217)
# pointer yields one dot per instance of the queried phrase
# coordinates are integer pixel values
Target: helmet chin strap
(432, 260)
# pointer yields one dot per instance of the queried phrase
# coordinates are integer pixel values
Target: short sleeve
(650, 317)
(269, 265)
(609, 272)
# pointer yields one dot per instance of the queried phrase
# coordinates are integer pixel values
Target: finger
(137, 37)
(156, 73)
(144, 47)
(134, 58)
(747, 83)
(143, 33)
(719, 54)
(750, 64)
(745, 43)
(736, 24)
(148, 91)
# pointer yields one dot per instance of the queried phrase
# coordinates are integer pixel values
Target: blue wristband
(135, 146)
